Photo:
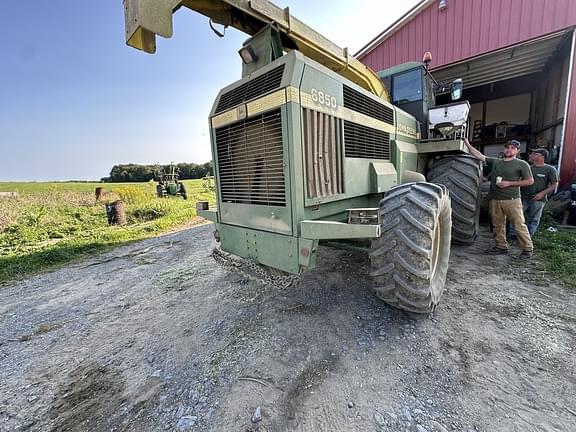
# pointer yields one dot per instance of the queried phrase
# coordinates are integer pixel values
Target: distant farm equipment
(168, 182)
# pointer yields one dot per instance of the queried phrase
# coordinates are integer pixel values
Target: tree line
(144, 173)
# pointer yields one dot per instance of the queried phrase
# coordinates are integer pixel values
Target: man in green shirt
(534, 197)
(507, 177)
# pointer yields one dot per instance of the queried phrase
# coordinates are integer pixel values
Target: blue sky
(75, 100)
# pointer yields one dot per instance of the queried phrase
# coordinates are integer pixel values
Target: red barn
(516, 58)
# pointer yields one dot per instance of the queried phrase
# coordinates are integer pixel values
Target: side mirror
(456, 89)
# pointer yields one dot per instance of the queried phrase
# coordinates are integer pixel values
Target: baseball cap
(541, 151)
(515, 143)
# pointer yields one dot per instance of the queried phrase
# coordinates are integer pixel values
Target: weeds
(149, 211)
(135, 194)
(558, 250)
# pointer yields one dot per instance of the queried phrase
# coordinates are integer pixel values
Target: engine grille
(258, 86)
(250, 161)
(364, 142)
(323, 148)
(363, 104)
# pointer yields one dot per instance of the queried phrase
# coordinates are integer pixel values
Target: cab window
(407, 86)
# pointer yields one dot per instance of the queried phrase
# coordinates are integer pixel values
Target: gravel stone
(186, 422)
(257, 416)
(406, 413)
(379, 419)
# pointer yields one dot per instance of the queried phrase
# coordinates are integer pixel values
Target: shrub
(149, 211)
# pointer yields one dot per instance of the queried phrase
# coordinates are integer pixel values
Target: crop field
(52, 223)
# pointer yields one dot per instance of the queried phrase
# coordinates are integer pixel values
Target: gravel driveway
(156, 336)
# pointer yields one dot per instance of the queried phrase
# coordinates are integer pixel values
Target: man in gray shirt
(534, 197)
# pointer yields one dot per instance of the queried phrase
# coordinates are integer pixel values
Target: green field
(49, 224)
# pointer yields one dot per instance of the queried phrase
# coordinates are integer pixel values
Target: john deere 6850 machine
(308, 146)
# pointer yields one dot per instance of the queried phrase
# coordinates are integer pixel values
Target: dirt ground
(156, 336)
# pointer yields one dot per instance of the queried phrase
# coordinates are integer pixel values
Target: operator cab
(413, 89)
(410, 89)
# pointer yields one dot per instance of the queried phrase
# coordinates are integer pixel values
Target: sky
(75, 100)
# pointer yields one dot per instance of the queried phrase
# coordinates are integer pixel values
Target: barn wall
(467, 28)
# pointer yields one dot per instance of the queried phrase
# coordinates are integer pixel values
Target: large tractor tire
(462, 176)
(409, 261)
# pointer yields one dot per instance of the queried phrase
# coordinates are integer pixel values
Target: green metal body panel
(444, 146)
(325, 230)
(275, 250)
(406, 158)
(210, 214)
(362, 181)
(267, 47)
(398, 69)
(307, 260)
(338, 210)
(408, 128)
(275, 219)
(296, 157)
(383, 176)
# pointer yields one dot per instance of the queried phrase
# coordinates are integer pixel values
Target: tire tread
(461, 175)
(401, 258)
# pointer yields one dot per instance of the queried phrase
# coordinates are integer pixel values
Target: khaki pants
(502, 210)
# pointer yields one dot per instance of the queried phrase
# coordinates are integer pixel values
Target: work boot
(496, 251)
(527, 254)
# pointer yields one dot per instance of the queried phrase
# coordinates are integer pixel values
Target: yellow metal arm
(147, 18)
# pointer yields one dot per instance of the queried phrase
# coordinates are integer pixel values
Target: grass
(558, 250)
(50, 224)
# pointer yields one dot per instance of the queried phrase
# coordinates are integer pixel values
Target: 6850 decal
(322, 98)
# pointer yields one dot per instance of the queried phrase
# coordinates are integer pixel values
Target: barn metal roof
(522, 59)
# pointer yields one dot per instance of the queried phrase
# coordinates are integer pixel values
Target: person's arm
(513, 183)
(474, 152)
(526, 175)
(540, 195)
(552, 180)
